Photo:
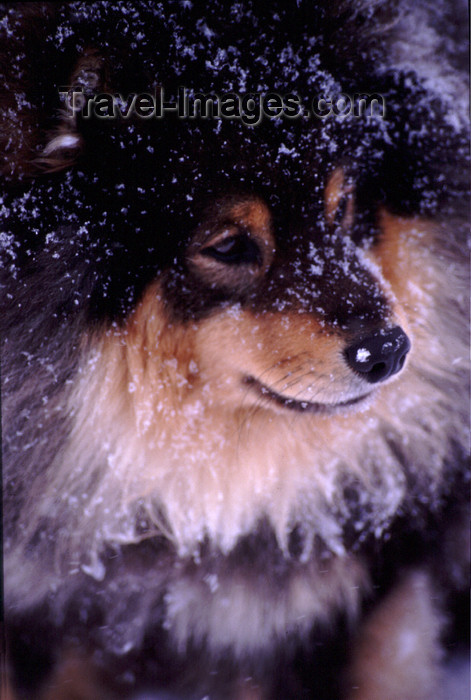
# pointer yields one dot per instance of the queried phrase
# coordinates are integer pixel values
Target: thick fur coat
(234, 357)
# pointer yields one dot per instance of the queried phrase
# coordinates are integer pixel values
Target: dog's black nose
(379, 355)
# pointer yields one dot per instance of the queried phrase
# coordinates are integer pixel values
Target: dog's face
(288, 316)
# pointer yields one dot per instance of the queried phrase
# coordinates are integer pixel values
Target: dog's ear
(64, 143)
(39, 132)
(23, 61)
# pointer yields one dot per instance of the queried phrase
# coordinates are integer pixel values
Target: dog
(234, 349)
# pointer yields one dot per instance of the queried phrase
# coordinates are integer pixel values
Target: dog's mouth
(303, 406)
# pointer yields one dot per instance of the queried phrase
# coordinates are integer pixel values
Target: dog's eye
(236, 250)
(233, 248)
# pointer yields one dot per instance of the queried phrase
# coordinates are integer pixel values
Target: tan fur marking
(254, 213)
(405, 254)
(338, 187)
(251, 213)
(399, 261)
